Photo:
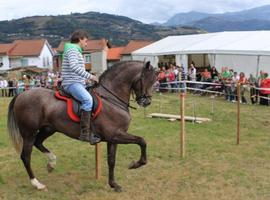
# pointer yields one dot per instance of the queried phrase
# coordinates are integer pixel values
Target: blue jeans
(78, 91)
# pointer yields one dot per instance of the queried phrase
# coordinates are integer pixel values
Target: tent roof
(234, 42)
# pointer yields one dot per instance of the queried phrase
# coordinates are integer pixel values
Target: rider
(74, 77)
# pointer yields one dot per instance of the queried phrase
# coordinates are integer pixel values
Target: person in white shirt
(3, 85)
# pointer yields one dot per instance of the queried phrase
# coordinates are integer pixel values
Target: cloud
(145, 11)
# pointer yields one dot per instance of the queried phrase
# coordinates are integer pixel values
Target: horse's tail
(13, 129)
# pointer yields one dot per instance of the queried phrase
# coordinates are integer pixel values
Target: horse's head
(142, 86)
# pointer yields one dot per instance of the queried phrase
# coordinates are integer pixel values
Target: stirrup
(84, 137)
(94, 139)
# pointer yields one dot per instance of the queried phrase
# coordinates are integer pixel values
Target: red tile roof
(92, 45)
(27, 47)
(6, 48)
(114, 53)
(133, 45)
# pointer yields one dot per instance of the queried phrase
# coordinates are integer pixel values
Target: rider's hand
(94, 78)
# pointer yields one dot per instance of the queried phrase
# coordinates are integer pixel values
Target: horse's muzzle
(144, 101)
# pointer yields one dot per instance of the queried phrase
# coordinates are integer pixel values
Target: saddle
(74, 106)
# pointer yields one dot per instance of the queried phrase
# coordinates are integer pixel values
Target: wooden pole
(238, 113)
(182, 132)
(144, 112)
(160, 101)
(212, 109)
(98, 160)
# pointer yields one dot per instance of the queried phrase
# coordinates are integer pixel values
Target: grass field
(214, 166)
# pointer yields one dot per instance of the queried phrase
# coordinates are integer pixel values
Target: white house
(25, 53)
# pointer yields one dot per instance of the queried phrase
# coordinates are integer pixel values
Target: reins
(118, 98)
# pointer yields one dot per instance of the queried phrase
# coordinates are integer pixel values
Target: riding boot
(86, 134)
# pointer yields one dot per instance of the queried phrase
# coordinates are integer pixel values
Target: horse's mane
(117, 66)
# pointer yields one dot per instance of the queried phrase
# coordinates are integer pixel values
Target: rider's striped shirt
(73, 68)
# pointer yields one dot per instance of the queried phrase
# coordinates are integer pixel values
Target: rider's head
(79, 37)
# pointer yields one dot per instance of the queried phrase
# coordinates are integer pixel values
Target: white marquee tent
(246, 51)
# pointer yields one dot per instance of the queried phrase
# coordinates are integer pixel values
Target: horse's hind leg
(42, 135)
(26, 158)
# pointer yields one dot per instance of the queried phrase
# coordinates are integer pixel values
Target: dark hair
(77, 35)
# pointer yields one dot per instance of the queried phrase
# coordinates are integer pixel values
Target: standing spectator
(176, 72)
(15, 85)
(162, 79)
(49, 82)
(43, 81)
(2, 86)
(192, 74)
(227, 81)
(27, 81)
(10, 87)
(235, 79)
(253, 91)
(20, 86)
(5, 85)
(182, 77)
(171, 78)
(265, 83)
(243, 82)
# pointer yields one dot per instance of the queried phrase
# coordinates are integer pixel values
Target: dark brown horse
(36, 114)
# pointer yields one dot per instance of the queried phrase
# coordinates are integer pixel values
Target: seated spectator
(206, 76)
(214, 73)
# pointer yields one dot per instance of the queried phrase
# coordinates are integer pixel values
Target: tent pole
(258, 65)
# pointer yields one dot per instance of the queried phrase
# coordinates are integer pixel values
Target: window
(87, 58)
(1, 62)
(48, 62)
(24, 62)
(44, 62)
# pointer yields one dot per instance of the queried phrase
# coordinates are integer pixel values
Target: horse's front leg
(125, 138)
(111, 153)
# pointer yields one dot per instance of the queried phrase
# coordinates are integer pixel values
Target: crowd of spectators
(168, 80)
(226, 82)
(13, 86)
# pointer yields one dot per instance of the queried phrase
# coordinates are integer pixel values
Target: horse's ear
(147, 65)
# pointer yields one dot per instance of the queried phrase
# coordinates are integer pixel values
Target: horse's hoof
(38, 185)
(118, 189)
(45, 189)
(50, 168)
(135, 165)
(132, 165)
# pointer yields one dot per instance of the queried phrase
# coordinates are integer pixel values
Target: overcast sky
(146, 11)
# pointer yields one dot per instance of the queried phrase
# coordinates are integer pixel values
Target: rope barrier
(216, 84)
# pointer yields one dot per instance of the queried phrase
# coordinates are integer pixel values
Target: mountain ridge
(229, 21)
(117, 29)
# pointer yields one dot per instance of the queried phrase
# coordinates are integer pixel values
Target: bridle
(126, 105)
(143, 95)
